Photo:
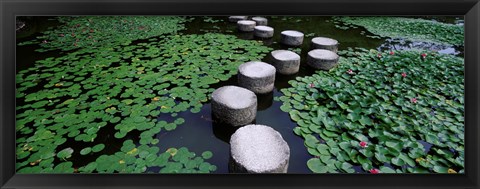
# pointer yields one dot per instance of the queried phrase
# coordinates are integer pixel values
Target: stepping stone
(237, 18)
(258, 149)
(234, 105)
(261, 21)
(263, 31)
(292, 38)
(322, 59)
(258, 77)
(325, 43)
(285, 62)
(246, 25)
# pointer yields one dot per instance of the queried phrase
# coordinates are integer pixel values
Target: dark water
(200, 132)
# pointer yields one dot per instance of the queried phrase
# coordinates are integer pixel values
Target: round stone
(258, 77)
(261, 21)
(246, 25)
(234, 105)
(325, 43)
(259, 149)
(292, 38)
(322, 59)
(263, 31)
(285, 62)
(237, 18)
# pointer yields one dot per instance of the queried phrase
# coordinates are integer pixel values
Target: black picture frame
(11, 8)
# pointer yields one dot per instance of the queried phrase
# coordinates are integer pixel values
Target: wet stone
(261, 21)
(237, 18)
(263, 31)
(258, 149)
(325, 43)
(246, 25)
(322, 59)
(258, 77)
(234, 105)
(285, 62)
(291, 38)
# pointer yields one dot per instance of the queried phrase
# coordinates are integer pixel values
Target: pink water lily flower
(374, 171)
(413, 100)
(404, 74)
(312, 85)
(44, 41)
(363, 144)
(392, 53)
(350, 71)
(424, 55)
(379, 55)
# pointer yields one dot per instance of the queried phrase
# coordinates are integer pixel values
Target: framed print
(184, 94)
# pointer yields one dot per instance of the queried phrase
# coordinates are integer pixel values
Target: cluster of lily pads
(101, 31)
(409, 28)
(209, 19)
(387, 112)
(128, 88)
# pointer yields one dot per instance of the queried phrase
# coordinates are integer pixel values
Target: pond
(120, 140)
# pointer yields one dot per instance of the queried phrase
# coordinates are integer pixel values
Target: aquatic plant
(409, 28)
(387, 112)
(128, 88)
(209, 19)
(101, 31)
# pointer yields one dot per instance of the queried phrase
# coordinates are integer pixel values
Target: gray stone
(322, 59)
(234, 105)
(263, 31)
(285, 62)
(325, 43)
(237, 18)
(258, 149)
(258, 77)
(261, 21)
(292, 38)
(246, 25)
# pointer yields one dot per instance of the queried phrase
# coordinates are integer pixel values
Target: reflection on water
(264, 101)
(402, 44)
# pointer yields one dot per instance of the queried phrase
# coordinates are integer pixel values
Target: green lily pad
(98, 148)
(65, 153)
(85, 151)
(207, 155)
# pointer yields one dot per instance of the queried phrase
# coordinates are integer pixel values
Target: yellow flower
(451, 171)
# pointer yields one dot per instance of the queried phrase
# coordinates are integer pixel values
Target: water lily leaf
(440, 169)
(347, 167)
(98, 148)
(65, 153)
(385, 169)
(317, 166)
(65, 167)
(207, 155)
(85, 151)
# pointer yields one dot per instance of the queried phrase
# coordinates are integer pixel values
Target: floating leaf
(98, 147)
(207, 155)
(85, 151)
(65, 153)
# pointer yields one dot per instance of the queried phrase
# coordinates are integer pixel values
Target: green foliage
(390, 102)
(124, 87)
(102, 31)
(209, 19)
(409, 28)
(139, 159)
